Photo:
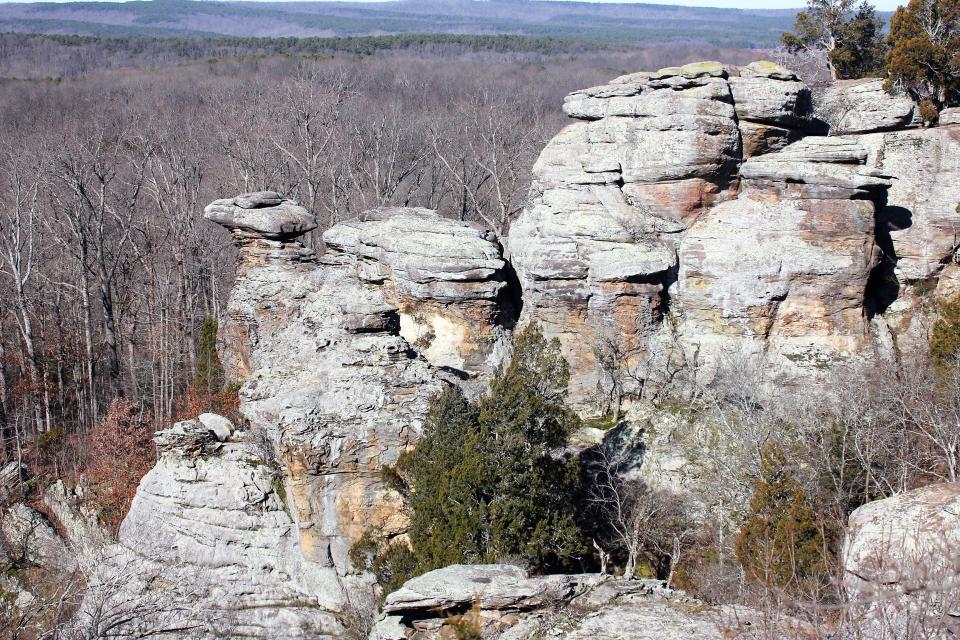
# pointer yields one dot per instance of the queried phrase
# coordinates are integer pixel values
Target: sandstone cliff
(686, 214)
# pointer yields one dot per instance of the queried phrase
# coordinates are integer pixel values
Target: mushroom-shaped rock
(263, 214)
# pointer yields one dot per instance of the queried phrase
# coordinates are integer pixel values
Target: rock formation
(507, 604)
(864, 106)
(446, 281)
(685, 214)
(689, 206)
(901, 569)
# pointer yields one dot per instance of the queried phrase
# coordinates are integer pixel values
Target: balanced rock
(263, 214)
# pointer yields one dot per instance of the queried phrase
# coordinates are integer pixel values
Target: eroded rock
(863, 106)
(264, 214)
(900, 562)
(443, 279)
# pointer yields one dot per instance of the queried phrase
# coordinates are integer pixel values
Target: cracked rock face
(330, 380)
(692, 192)
(863, 106)
(209, 544)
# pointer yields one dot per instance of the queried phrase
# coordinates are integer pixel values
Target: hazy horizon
(883, 5)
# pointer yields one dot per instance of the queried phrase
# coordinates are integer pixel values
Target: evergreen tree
(781, 541)
(924, 53)
(209, 377)
(945, 337)
(849, 35)
(486, 481)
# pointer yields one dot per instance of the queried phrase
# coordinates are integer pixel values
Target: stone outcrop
(210, 544)
(507, 604)
(717, 229)
(783, 268)
(331, 382)
(445, 279)
(901, 569)
(863, 106)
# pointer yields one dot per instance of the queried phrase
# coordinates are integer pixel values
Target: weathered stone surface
(949, 116)
(783, 268)
(863, 106)
(510, 605)
(766, 244)
(209, 544)
(331, 382)
(31, 538)
(444, 280)
(920, 224)
(222, 428)
(264, 214)
(901, 566)
(80, 525)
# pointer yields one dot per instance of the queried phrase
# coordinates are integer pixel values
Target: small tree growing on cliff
(780, 543)
(487, 482)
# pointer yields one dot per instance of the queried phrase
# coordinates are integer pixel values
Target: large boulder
(863, 106)
(445, 278)
(901, 569)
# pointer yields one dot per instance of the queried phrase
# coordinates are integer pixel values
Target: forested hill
(608, 23)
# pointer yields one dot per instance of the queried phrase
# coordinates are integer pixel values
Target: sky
(883, 5)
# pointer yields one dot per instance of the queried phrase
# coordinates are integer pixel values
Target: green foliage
(849, 34)
(781, 542)
(945, 337)
(209, 377)
(485, 481)
(924, 53)
(392, 563)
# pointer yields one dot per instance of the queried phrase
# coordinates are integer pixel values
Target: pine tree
(209, 377)
(924, 53)
(849, 35)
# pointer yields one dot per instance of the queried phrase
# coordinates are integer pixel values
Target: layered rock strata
(331, 382)
(687, 211)
(446, 280)
(210, 546)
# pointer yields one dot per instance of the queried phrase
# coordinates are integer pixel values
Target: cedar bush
(781, 542)
(486, 482)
